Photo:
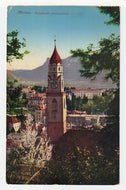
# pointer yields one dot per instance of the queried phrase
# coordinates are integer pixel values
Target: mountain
(12, 76)
(71, 67)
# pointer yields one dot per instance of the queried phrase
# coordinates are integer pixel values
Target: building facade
(13, 123)
(40, 114)
(27, 91)
(37, 100)
(89, 93)
(56, 98)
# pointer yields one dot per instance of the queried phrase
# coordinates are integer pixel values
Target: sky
(74, 27)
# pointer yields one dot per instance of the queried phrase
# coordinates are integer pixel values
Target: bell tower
(56, 98)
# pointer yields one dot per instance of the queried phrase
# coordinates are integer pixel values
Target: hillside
(12, 76)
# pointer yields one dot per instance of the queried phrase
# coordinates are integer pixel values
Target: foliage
(76, 103)
(14, 104)
(35, 151)
(12, 168)
(14, 47)
(98, 105)
(83, 157)
(68, 88)
(81, 168)
(113, 12)
(39, 89)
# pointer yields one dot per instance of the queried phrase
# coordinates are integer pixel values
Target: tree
(85, 99)
(81, 160)
(14, 47)
(113, 13)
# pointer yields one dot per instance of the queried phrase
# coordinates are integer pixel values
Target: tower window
(54, 105)
(59, 68)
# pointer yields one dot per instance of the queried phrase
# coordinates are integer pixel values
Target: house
(40, 114)
(89, 93)
(13, 123)
(27, 91)
(37, 100)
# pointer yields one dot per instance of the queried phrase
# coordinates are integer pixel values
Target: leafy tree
(39, 89)
(14, 47)
(113, 12)
(85, 99)
(82, 168)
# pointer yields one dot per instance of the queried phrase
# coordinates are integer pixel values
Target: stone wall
(85, 120)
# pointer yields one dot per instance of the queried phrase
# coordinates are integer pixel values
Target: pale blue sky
(74, 27)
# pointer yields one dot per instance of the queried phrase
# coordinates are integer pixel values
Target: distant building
(40, 114)
(13, 123)
(37, 100)
(69, 94)
(27, 91)
(89, 93)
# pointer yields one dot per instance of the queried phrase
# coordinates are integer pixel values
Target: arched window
(54, 108)
(59, 68)
(54, 105)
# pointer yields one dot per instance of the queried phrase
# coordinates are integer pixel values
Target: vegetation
(97, 105)
(68, 88)
(39, 89)
(14, 47)
(35, 151)
(105, 58)
(82, 157)
(15, 106)
(114, 14)
(81, 168)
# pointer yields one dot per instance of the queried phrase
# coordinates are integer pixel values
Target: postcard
(63, 95)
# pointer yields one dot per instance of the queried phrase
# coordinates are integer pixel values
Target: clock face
(54, 84)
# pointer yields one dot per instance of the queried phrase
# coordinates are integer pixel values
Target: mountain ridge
(71, 67)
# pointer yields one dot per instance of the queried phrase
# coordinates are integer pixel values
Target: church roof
(55, 58)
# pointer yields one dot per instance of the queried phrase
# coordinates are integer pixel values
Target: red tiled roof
(55, 58)
(30, 91)
(38, 96)
(12, 144)
(12, 120)
(41, 107)
(86, 90)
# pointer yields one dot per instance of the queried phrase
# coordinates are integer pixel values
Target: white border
(3, 28)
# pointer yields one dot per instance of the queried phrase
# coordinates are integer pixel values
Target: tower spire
(55, 58)
(55, 41)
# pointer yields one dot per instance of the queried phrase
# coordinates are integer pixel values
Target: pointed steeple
(55, 58)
